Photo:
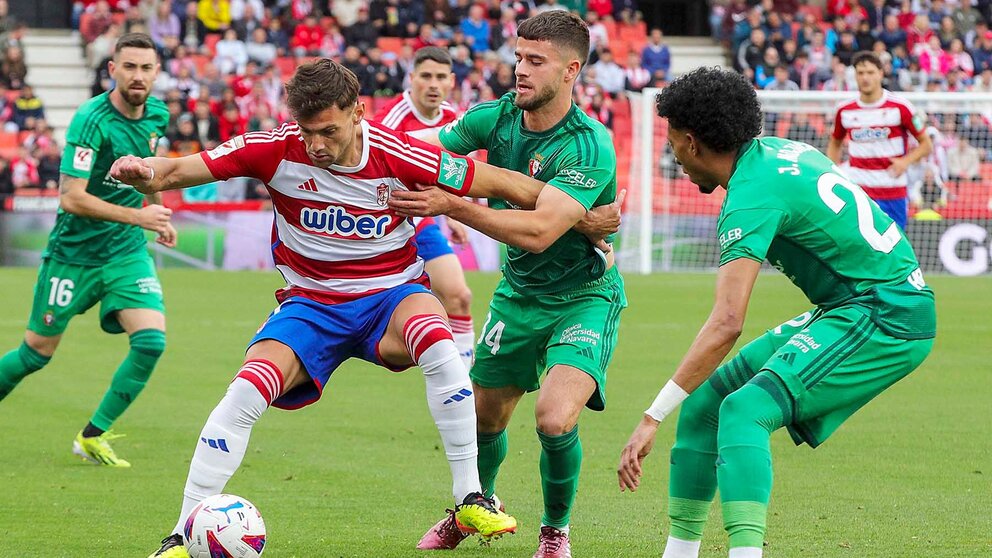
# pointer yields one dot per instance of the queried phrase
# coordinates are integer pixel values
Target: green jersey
(97, 136)
(788, 203)
(576, 156)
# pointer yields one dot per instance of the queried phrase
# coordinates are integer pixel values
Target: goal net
(669, 226)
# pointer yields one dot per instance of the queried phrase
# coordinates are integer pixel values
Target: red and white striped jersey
(402, 115)
(334, 239)
(877, 133)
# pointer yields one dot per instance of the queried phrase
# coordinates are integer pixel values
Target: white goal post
(669, 226)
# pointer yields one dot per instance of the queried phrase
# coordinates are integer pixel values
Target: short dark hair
(560, 28)
(867, 56)
(319, 85)
(133, 40)
(719, 107)
(436, 54)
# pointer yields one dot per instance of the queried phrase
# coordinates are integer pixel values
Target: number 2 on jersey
(492, 336)
(883, 243)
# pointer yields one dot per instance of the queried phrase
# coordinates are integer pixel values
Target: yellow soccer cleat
(478, 514)
(97, 449)
(172, 547)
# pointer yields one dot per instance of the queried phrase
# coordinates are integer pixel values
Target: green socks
(492, 452)
(561, 459)
(147, 346)
(16, 365)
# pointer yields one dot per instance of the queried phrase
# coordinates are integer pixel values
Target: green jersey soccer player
(873, 324)
(97, 250)
(558, 305)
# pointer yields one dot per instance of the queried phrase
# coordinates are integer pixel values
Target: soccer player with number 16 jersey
(874, 320)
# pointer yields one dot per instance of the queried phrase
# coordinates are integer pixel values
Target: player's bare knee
(555, 421)
(43, 345)
(492, 420)
(458, 301)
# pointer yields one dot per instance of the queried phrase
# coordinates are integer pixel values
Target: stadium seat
(286, 66)
(210, 41)
(200, 61)
(390, 44)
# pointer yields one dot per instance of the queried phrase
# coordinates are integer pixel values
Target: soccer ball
(224, 526)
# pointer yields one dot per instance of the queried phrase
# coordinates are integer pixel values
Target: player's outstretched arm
(495, 182)
(715, 339)
(533, 230)
(74, 199)
(155, 174)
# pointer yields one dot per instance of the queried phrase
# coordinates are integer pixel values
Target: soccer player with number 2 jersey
(873, 323)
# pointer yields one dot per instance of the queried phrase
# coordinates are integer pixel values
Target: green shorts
(526, 335)
(821, 367)
(66, 290)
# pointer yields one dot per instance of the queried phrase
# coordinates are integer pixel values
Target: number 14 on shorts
(491, 336)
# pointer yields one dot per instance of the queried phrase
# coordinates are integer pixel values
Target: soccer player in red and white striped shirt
(425, 107)
(355, 286)
(878, 126)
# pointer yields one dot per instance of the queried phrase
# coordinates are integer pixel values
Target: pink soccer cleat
(444, 535)
(553, 543)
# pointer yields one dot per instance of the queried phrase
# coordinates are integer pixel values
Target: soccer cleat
(96, 449)
(478, 514)
(172, 547)
(445, 534)
(553, 543)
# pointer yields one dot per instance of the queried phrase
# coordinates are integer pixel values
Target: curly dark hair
(718, 106)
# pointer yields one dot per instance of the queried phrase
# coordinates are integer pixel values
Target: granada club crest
(534, 166)
(382, 194)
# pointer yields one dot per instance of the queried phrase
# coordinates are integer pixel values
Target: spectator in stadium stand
(278, 36)
(96, 22)
(345, 12)
(24, 169)
(134, 21)
(918, 35)
(7, 21)
(820, 56)
(947, 32)
(476, 29)
(503, 81)
(964, 161)
(260, 49)
(846, 48)
(864, 38)
(27, 108)
(307, 37)
(207, 126)
(49, 159)
(892, 34)
(776, 29)
(506, 53)
(13, 70)
(299, 9)
(232, 123)
(636, 77)
(185, 139)
(832, 34)
(808, 27)
(912, 78)
(362, 34)
(655, 56)
(550, 5)
(900, 59)
(982, 55)
(609, 74)
(247, 24)
(983, 83)
(749, 55)
(743, 29)
(102, 47)
(186, 84)
(764, 73)
(333, 43)
(6, 180)
(961, 60)
(781, 81)
(461, 63)
(965, 18)
(425, 37)
(801, 130)
(938, 9)
(192, 31)
(934, 60)
(599, 37)
(214, 14)
(839, 79)
(876, 11)
(231, 54)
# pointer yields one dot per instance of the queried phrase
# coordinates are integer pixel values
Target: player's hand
(898, 166)
(155, 218)
(167, 236)
(633, 454)
(602, 221)
(459, 234)
(133, 171)
(427, 202)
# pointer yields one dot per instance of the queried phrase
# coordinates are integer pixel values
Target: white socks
(463, 333)
(224, 438)
(745, 552)
(449, 397)
(678, 548)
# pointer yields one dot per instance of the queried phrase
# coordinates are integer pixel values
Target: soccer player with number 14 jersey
(873, 323)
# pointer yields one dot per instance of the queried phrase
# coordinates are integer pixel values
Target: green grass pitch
(361, 473)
